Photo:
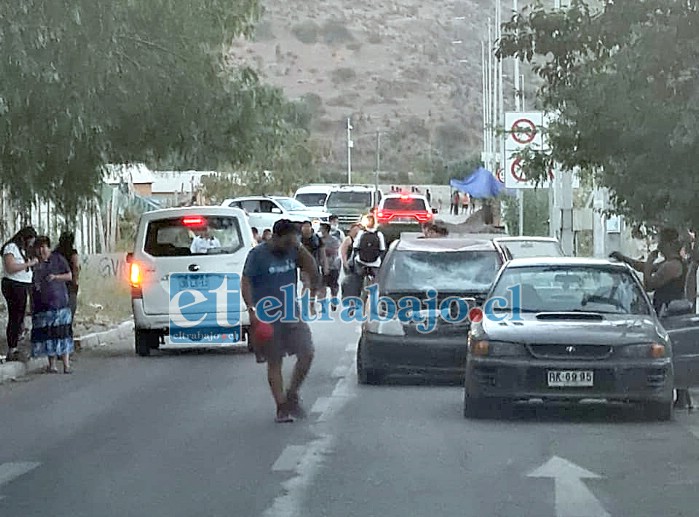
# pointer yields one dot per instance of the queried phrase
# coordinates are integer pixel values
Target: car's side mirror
(276, 210)
(435, 211)
(679, 308)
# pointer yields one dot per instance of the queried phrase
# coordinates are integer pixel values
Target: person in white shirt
(204, 242)
(369, 247)
(16, 283)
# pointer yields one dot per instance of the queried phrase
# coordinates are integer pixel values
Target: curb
(89, 341)
(14, 370)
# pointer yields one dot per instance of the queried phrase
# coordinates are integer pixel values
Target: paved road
(192, 434)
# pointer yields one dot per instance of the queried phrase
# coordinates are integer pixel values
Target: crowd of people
(46, 280)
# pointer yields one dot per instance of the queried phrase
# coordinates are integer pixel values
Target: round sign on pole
(523, 131)
(516, 171)
(499, 174)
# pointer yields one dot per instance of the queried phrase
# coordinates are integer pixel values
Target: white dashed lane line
(305, 460)
(340, 371)
(289, 458)
(321, 404)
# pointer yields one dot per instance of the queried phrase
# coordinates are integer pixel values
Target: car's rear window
(192, 235)
(311, 200)
(445, 271)
(532, 249)
(413, 204)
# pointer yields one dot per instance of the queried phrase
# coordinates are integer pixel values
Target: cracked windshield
(283, 258)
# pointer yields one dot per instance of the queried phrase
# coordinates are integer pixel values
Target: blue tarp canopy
(480, 184)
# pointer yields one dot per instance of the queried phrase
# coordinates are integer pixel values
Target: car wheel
(365, 375)
(661, 411)
(146, 340)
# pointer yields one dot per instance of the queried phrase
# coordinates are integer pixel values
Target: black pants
(15, 294)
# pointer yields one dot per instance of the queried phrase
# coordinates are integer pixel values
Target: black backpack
(369, 247)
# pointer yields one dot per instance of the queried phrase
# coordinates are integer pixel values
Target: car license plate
(194, 282)
(404, 220)
(570, 379)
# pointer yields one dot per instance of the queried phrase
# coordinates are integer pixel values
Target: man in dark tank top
(666, 280)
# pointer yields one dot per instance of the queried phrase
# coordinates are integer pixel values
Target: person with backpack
(369, 249)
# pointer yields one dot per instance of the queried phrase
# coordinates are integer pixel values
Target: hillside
(392, 65)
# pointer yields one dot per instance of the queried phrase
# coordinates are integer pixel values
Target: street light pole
(378, 159)
(517, 76)
(349, 151)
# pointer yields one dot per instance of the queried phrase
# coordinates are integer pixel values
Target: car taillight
(423, 217)
(135, 279)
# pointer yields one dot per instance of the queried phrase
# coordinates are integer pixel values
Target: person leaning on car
(667, 281)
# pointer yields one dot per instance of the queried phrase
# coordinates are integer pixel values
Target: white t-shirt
(22, 276)
(203, 245)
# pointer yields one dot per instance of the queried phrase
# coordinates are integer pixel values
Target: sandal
(67, 370)
(51, 370)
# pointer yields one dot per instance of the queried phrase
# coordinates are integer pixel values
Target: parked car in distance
(455, 267)
(165, 245)
(398, 213)
(264, 211)
(350, 203)
(530, 247)
(314, 196)
(578, 329)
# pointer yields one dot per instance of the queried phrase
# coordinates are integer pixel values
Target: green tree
(85, 82)
(622, 79)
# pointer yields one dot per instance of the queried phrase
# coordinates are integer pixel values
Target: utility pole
(378, 159)
(350, 144)
(566, 197)
(518, 107)
(517, 76)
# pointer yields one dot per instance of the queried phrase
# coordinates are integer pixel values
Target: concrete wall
(107, 266)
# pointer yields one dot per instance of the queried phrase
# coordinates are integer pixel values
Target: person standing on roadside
(667, 281)
(269, 268)
(52, 334)
(66, 248)
(16, 284)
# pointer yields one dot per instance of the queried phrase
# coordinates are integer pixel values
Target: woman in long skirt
(52, 334)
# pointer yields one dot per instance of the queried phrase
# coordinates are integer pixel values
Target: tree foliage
(86, 82)
(623, 82)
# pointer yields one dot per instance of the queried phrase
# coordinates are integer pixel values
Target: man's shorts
(292, 338)
(332, 279)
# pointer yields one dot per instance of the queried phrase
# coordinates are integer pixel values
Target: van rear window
(193, 235)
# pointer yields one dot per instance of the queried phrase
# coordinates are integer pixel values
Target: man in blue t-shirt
(270, 269)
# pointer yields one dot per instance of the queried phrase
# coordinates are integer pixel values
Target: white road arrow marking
(573, 498)
(11, 471)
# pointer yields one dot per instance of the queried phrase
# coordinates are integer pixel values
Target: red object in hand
(262, 332)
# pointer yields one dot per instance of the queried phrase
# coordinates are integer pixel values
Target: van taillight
(135, 279)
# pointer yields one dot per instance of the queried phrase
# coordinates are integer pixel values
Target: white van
(193, 240)
(314, 196)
